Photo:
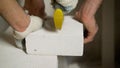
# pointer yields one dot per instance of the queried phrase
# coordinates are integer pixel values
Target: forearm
(14, 14)
(89, 8)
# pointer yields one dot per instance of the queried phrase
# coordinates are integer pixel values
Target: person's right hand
(35, 7)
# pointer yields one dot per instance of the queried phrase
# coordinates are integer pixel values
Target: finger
(89, 38)
(91, 35)
(77, 16)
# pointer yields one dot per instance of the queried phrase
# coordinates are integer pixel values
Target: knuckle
(90, 40)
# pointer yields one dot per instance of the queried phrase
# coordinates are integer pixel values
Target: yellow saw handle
(58, 18)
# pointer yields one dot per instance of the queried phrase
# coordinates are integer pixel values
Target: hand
(90, 25)
(35, 7)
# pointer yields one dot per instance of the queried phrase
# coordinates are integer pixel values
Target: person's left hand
(90, 25)
(35, 7)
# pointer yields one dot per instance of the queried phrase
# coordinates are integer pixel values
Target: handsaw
(54, 23)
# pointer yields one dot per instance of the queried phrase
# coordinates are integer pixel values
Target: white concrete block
(66, 42)
(12, 57)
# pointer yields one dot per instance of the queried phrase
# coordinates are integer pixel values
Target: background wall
(117, 33)
(108, 34)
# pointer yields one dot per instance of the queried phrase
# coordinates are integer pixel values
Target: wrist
(35, 24)
(85, 17)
